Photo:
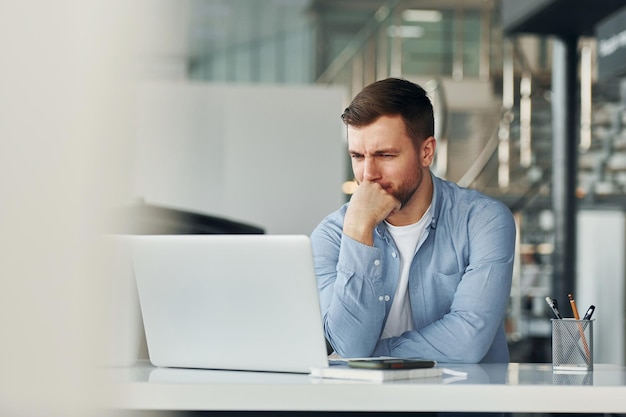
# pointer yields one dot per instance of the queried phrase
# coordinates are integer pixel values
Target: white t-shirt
(407, 238)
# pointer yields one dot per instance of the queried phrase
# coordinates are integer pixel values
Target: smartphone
(391, 363)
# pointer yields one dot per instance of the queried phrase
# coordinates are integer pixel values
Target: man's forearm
(350, 296)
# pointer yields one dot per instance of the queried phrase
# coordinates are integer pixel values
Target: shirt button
(395, 255)
(387, 298)
(377, 262)
(381, 298)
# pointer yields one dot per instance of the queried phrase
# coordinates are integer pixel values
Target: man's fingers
(372, 200)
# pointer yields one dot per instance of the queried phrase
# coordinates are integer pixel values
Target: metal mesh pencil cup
(572, 345)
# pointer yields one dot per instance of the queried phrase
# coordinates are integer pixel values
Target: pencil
(573, 304)
(580, 327)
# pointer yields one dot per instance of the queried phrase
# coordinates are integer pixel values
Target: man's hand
(370, 204)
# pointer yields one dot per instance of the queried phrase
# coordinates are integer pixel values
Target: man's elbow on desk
(403, 347)
(352, 350)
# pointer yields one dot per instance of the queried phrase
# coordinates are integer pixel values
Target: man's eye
(357, 157)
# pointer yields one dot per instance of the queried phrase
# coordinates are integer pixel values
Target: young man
(413, 265)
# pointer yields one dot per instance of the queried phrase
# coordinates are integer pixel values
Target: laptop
(234, 302)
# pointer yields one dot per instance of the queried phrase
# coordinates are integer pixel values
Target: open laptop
(236, 302)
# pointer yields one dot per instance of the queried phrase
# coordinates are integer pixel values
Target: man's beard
(405, 194)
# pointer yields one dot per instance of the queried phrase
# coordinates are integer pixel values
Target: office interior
(529, 109)
(530, 103)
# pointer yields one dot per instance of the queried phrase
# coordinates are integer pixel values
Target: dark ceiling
(556, 17)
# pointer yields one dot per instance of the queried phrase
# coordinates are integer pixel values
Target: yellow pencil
(573, 304)
(580, 327)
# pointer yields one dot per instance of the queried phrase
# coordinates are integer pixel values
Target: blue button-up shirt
(459, 284)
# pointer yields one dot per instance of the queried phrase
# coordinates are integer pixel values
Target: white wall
(162, 39)
(601, 280)
(64, 162)
(272, 156)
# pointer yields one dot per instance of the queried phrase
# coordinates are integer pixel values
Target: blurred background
(529, 100)
(218, 116)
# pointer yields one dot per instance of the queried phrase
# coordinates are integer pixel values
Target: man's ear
(428, 150)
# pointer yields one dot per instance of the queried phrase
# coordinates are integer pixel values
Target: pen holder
(583, 377)
(572, 345)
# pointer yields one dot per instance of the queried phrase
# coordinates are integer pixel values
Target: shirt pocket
(445, 288)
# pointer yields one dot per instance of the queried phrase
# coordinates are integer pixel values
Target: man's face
(382, 152)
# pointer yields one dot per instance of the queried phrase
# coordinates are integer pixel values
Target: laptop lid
(237, 302)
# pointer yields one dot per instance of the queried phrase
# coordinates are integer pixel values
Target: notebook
(378, 375)
(235, 302)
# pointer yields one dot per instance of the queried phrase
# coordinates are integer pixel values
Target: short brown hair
(390, 97)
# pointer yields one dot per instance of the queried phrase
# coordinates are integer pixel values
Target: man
(413, 265)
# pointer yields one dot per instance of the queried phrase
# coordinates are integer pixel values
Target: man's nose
(370, 169)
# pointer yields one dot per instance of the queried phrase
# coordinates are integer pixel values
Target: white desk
(529, 388)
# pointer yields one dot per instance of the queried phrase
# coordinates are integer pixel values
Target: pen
(553, 307)
(589, 312)
(573, 304)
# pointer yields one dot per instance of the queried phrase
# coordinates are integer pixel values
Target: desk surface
(484, 388)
